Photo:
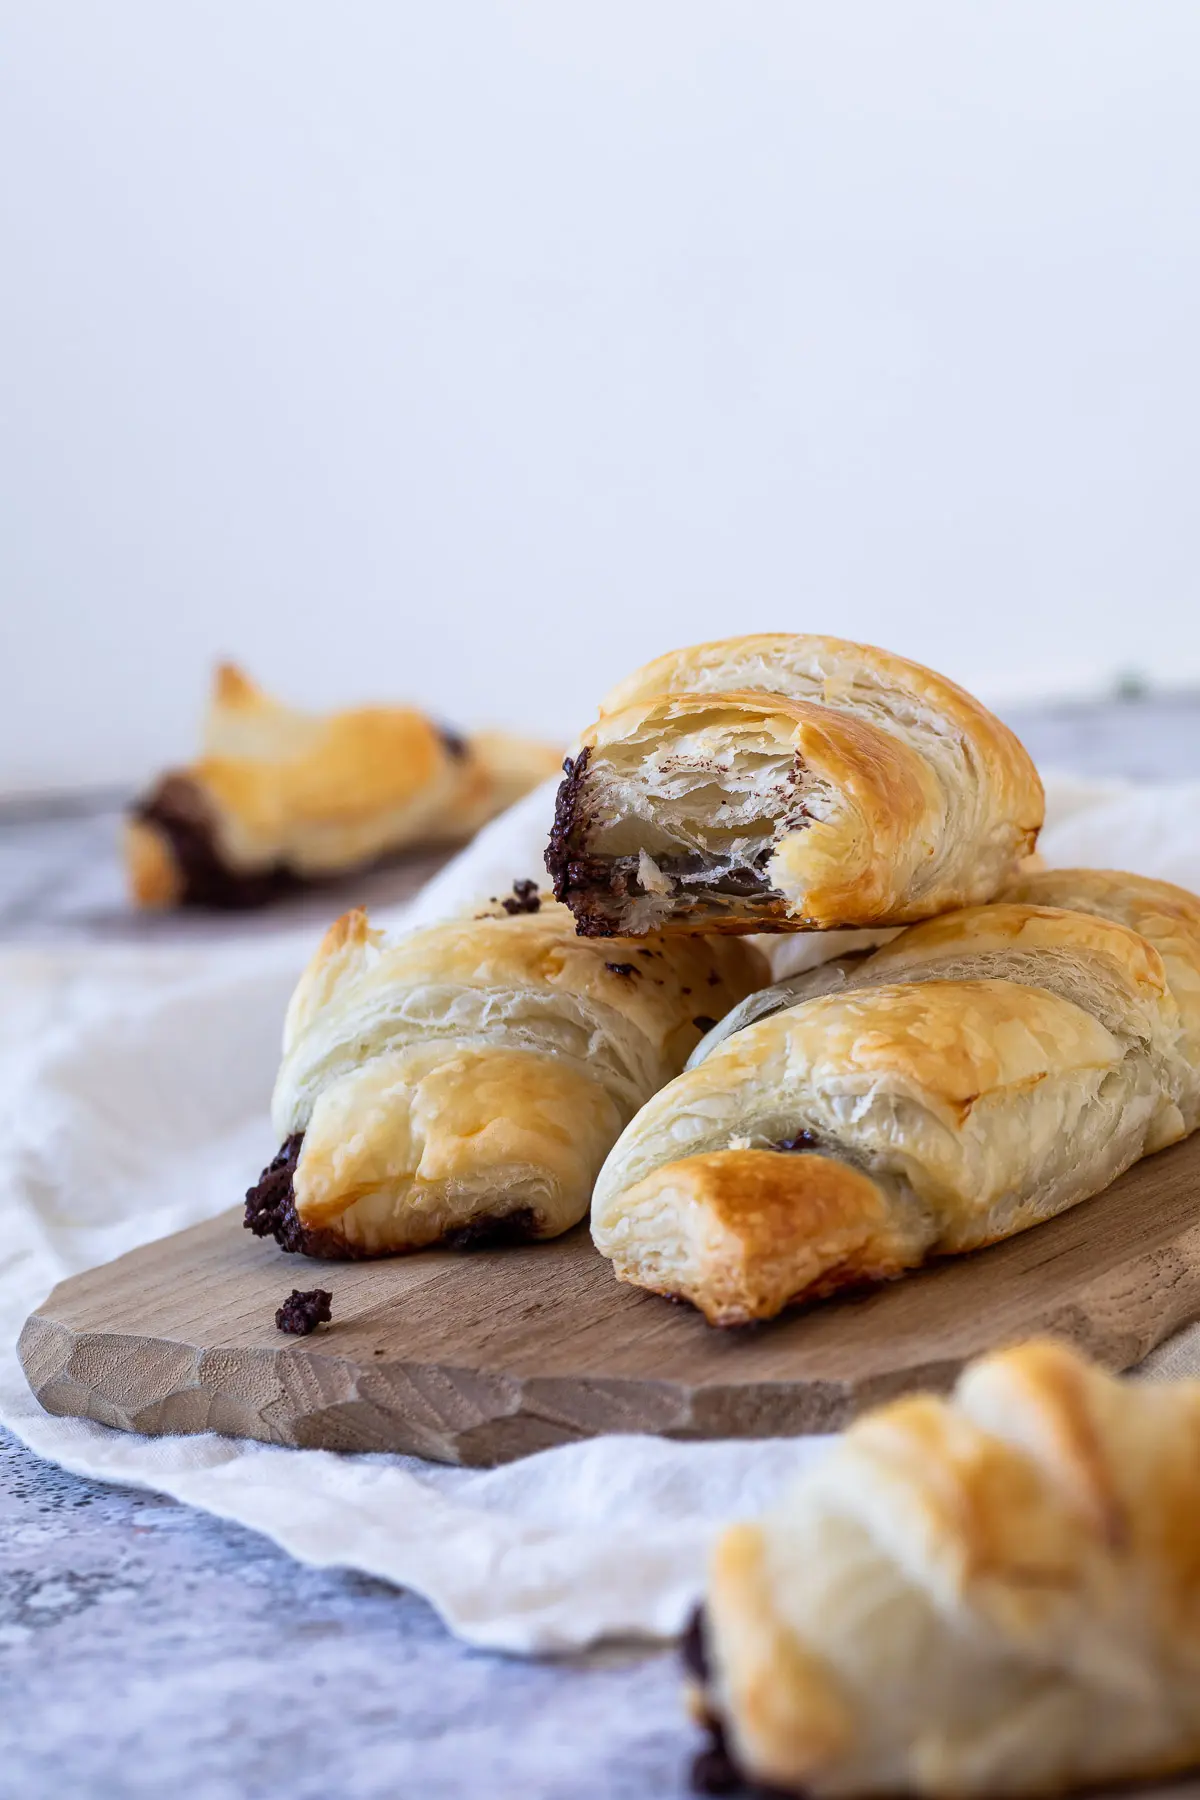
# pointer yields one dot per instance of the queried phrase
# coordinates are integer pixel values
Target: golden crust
(1168, 917)
(1035, 930)
(759, 1230)
(478, 1071)
(961, 1110)
(904, 796)
(279, 789)
(154, 876)
(433, 1139)
(995, 1594)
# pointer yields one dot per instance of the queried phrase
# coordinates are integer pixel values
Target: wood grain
(484, 1357)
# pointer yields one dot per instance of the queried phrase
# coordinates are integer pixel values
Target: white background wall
(473, 352)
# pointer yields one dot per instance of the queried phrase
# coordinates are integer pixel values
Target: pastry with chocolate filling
(462, 1084)
(280, 798)
(982, 1072)
(779, 782)
(996, 1593)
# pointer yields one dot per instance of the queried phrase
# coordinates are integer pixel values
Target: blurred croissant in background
(281, 798)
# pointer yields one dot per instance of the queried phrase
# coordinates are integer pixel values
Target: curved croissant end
(994, 1594)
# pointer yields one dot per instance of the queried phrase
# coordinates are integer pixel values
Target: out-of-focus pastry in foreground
(786, 782)
(280, 798)
(992, 1594)
(462, 1084)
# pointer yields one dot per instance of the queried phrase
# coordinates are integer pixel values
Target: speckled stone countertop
(146, 1649)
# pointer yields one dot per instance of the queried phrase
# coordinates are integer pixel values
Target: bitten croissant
(982, 1072)
(280, 798)
(462, 1084)
(783, 782)
(995, 1594)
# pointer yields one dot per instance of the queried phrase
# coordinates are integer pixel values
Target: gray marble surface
(145, 1648)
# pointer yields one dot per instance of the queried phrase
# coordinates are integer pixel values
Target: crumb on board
(303, 1312)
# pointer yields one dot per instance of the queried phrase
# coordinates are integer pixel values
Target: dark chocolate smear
(693, 1647)
(271, 1212)
(454, 742)
(493, 1231)
(178, 809)
(566, 806)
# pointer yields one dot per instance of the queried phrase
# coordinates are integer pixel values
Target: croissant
(980, 1073)
(779, 782)
(992, 1594)
(462, 1084)
(280, 798)
(1166, 916)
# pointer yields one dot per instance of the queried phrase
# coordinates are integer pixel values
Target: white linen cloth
(133, 1101)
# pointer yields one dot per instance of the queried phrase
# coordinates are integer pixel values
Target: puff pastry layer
(982, 1072)
(280, 797)
(779, 782)
(464, 1083)
(995, 1594)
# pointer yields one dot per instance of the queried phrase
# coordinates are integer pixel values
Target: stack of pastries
(1021, 1040)
(994, 1593)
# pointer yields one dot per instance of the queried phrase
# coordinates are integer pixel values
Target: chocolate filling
(598, 889)
(178, 809)
(493, 1231)
(303, 1312)
(714, 1770)
(803, 1140)
(453, 741)
(271, 1212)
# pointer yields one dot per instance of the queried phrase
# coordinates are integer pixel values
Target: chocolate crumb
(713, 978)
(703, 1022)
(645, 953)
(623, 968)
(523, 899)
(303, 1312)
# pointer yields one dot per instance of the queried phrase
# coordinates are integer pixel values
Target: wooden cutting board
(479, 1358)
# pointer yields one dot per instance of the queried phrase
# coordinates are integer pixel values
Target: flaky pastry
(786, 782)
(980, 1073)
(463, 1083)
(996, 1594)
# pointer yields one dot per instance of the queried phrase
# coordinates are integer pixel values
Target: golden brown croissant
(780, 782)
(281, 797)
(994, 1594)
(463, 1083)
(980, 1073)
(1166, 916)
